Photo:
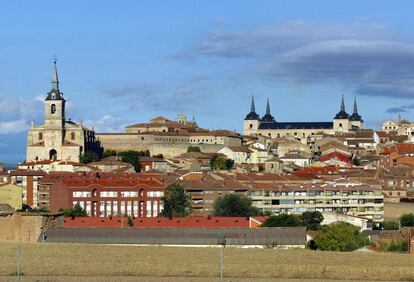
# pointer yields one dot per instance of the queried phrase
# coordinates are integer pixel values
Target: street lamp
(221, 241)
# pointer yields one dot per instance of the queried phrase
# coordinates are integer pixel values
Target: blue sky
(122, 62)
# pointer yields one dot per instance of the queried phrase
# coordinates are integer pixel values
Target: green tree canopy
(109, 153)
(193, 149)
(342, 237)
(130, 156)
(282, 220)
(89, 157)
(220, 163)
(234, 205)
(176, 201)
(407, 219)
(76, 211)
(311, 219)
(390, 225)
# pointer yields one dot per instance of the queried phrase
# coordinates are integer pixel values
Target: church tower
(55, 104)
(341, 120)
(252, 121)
(355, 119)
(54, 118)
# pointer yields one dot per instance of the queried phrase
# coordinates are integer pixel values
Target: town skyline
(113, 76)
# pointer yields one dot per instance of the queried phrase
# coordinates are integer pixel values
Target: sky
(123, 62)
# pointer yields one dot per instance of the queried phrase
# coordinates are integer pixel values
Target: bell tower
(252, 121)
(55, 104)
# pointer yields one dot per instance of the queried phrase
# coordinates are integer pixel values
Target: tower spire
(267, 107)
(355, 111)
(55, 78)
(342, 104)
(252, 106)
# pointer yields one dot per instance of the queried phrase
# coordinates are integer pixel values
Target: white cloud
(368, 57)
(13, 126)
(16, 113)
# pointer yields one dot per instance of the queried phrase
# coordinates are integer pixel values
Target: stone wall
(18, 227)
(124, 142)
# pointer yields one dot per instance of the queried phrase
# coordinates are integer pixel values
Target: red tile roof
(163, 222)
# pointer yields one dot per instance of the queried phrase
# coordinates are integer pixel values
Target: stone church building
(58, 138)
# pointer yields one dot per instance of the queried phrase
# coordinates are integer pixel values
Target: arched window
(53, 109)
(72, 135)
(40, 136)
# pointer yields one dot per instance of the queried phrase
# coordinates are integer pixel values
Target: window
(40, 136)
(53, 109)
(72, 135)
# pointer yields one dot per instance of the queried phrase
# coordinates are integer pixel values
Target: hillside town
(74, 178)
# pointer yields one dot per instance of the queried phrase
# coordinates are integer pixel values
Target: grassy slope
(74, 259)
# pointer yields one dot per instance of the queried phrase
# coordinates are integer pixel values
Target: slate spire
(267, 107)
(55, 78)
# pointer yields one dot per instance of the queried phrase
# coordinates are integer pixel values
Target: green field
(156, 261)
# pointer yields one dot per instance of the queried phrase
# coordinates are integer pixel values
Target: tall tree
(176, 201)
(234, 205)
(312, 220)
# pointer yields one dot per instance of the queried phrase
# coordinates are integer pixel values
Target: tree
(342, 237)
(282, 220)
(132, 157)
(109, 153)
(193, 149)
(220, 163)
(234, 205)
(89, 157)
(130, 221)
(407, 219)
(176, 201)
(312, 220)
(356, 161)
(76, 211)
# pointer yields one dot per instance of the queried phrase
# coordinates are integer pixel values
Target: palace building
(58, 138)
(302, 131)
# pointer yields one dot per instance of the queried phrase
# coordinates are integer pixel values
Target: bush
(400, 246)
(193, 149)
(390, 225)
(76, 211)
(234, 205)
(282, 220)
(407, 219)
(342, 237)
(89, 157)
(130, 221)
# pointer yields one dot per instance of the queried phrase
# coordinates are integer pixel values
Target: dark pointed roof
(252, 115)
(268, 117)
(342, 113)
(355, 116)
(54, 93)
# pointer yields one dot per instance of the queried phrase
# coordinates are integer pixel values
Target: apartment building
(348, 198)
